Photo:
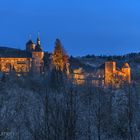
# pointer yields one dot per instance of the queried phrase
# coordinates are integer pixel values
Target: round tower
(127, 70)
(30, 46)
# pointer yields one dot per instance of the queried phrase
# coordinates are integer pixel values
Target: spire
(30, 37)
(38, 44)
(38, 34)
(30, 42)
(38, 39)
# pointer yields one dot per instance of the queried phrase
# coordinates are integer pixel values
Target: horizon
(84, 27)
(90, 54)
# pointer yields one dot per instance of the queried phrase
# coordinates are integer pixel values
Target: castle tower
(37, 56)
(30, 46)
(127, 70)
(110, 69)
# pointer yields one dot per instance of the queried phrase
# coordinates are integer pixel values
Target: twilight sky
(83, 26)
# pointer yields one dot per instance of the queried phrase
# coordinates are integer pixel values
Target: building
(116, 75)
(79, 76)
(24, 61)
(32, 60)
(108, 74)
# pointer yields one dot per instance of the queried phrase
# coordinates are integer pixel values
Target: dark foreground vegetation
(51, 107)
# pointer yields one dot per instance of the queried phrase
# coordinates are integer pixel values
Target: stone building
(108, 74)
(79, 76)
(30, 59)
(117, 75)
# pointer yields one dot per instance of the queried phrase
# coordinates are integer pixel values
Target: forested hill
(130, 57)
(92, 61)
(51, 107)
(97, 60)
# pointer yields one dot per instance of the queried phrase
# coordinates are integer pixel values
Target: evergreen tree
(59, 57)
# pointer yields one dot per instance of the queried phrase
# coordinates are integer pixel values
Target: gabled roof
(38, 48)
(29, 42)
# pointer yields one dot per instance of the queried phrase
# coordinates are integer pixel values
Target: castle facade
(116, 76)
(29, 60)
(108, 74)
(32, 59)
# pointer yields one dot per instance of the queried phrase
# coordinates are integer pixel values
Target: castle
(29, 60)
(32, 59)
(116, 76)
(108, 74)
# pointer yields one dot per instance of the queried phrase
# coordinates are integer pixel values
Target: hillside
(93, 62)
(52, 107)
(89, 62)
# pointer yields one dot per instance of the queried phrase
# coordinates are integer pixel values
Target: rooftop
(6, 52)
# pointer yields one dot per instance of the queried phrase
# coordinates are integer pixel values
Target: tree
(59, 57)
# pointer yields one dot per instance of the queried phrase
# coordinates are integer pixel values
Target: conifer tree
(59, 57)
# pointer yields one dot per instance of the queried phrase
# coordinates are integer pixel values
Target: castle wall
(115, 76)
(110, 70)
(20, 65)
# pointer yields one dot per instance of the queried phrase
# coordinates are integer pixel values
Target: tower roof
(38, 46)
(30, 42)
(38, 39)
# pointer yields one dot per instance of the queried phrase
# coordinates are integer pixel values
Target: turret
(38, 41)
(127, 70)
(30, 46)
(38, 46)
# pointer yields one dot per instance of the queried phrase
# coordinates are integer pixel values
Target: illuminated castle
(106, 75)
(32, 60)
(116, 76)
(24, 61)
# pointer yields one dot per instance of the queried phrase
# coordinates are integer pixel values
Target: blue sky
(83, 26)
